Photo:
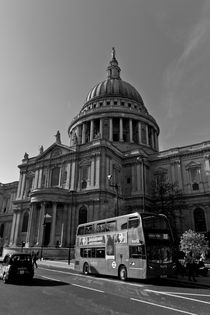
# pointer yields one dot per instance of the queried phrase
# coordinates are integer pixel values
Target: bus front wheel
(123, 273)
(86, 269)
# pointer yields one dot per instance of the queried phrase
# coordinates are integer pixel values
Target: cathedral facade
(106, 170)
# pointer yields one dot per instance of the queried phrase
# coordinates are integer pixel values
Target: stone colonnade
(120, 129)
(58, 217)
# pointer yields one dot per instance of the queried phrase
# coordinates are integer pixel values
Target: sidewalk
(63, 264)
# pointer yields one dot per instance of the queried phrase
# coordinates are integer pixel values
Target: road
(67, 292)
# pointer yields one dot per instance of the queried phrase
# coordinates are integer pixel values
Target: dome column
(91, 129)
(139, 132)
(131, 130)
(121, 129)
(147, 135)
(101, 128)
(83, 133)
(110, 129)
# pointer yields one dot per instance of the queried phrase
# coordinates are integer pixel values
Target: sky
(52, 52)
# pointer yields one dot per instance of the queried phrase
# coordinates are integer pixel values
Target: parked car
(16, 267)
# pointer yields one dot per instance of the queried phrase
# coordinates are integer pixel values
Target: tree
(167, 199)
(195, 242)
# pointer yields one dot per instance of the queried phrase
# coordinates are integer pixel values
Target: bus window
(100, 252)
(111, 226)
(80, 230)
(137, 251)
(88, 229)
(133, 223)
(93, 252)
(85, 252)
(124, 226)
(100, 227)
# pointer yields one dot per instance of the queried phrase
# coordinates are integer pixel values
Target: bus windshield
(158, 238)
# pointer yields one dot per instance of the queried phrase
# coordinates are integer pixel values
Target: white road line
(51, 279)
(179, 296)
(94, 278)
(92, 289)
(186, 293)
(167, 307)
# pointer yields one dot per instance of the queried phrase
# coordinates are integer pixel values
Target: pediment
(54, 151)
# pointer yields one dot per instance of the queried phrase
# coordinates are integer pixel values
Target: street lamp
(141, 159)
(116, 186)
(43, 235)
(69, 252)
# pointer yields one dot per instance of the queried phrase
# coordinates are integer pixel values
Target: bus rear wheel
(123, 273)
(86, 269)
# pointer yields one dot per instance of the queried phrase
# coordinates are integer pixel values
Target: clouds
(186, 84)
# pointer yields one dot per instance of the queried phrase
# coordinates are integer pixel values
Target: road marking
(185, 293)
(167, 307)
(51, 278)
(94, 278)
(92, 289)
(179, 296)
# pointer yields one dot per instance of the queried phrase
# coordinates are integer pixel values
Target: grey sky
(52, 52)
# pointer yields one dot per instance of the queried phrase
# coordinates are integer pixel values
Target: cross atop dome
(113, 70)
(113, 53)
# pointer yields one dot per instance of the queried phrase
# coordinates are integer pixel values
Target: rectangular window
(92, 252)
(137, 251)
(100, 227)
(133, 223)
(111, 226)
(89, 229)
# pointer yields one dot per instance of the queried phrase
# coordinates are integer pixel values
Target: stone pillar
(23, 185)
(13, 228)
(83, 132)
(52, 232)
(121, 129)
(110, 129)
(153, 140)
(131, 130)
(147, 135)
(139, 132)
(41, 225)
(17, 228)
(29, 235)
(97, 170)
(91, 129)
(101, 128)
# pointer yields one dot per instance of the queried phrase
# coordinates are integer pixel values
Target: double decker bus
(136, 245)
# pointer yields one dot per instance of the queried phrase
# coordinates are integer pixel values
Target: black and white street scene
(105, 157)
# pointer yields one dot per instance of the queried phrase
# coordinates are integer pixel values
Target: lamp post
(69, 251)
(141, 159)
(43, 235)
(116, 186)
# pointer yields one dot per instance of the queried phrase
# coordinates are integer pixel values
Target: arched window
(25, 222)
(200, 221)
(55, 176)
(2, 230)
(82, 215)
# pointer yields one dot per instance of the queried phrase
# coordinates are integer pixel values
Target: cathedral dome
(113, 86)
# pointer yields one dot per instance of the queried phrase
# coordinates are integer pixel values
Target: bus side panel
(137, 268)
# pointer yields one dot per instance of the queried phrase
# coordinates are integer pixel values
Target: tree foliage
(195, 242)
(167, 198)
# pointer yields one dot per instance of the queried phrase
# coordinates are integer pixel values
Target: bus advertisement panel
(134, 245)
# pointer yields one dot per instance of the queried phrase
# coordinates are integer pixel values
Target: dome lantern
(113, 70)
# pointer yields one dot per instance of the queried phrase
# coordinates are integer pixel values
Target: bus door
(137, 261)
